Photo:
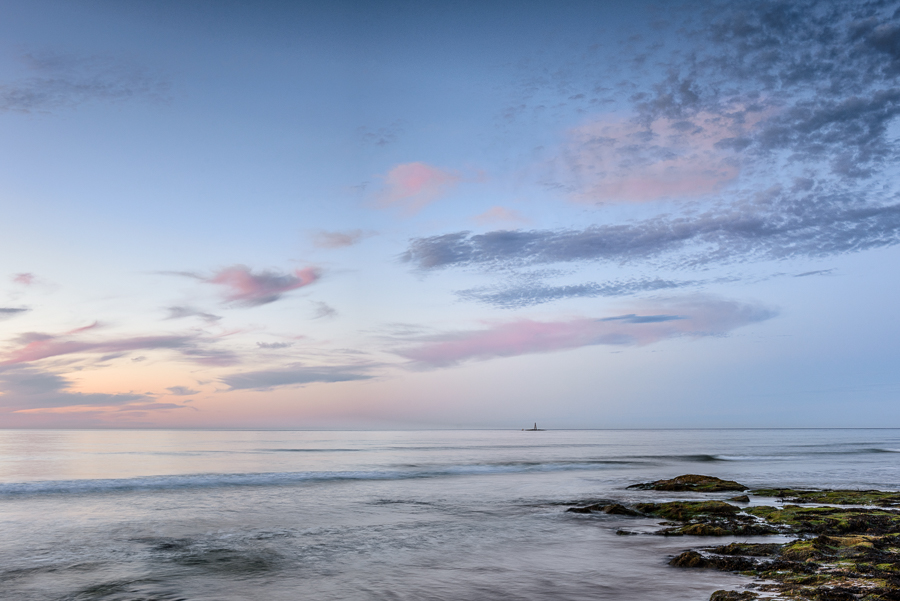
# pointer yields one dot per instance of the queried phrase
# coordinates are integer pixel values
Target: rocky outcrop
(692, 483)
(841, 553)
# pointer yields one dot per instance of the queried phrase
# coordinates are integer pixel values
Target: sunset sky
(398, 214)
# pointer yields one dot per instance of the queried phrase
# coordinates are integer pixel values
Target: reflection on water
(377, 515)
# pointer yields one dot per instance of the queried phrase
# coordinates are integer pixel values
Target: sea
(152, 515)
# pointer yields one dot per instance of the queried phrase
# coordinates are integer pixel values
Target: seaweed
(691, 482)
(832, 497)
(830, 520)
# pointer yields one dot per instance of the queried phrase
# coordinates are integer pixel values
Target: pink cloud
(411, 186)
(26, 279)
(694, 318)
(499, 215)
(324, 239)
(86, 328)
(43, 346)
(623, 160)
(251, 289)
(105, 409)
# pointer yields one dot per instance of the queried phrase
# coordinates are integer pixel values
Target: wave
(195, 481)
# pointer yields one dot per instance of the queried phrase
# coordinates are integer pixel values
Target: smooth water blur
(164, 515)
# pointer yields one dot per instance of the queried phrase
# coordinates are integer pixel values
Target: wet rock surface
(705, 518)
(839, 553)
(832, 497)
(613, 508)
(733, 596)
(691, 483)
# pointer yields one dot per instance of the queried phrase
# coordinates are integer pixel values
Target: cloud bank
(517, 296)
(775, 224)
(6, 312)
(292, 376)
(27, 388)
(692, 318)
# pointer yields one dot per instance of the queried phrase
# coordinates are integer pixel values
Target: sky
(421, 214)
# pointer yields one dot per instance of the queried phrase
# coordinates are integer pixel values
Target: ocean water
(424, 515)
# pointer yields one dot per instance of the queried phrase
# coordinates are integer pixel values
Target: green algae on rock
(704, 518)
(613, 508)
(733, 596)
(854, 557)
(691, 483)
(830, 520)
(865, 568)
(747, 549)
(687, 510)
(832, 497)
(841, 554)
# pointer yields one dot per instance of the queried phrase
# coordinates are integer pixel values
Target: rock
(617, 509)
(740, 499)
(733, 596)
(614, 508)
(747, 549)
(833, 521)
(688, 559)
(688, 510)
(691, 482)
(832, 497)
(703, 530)
(625, 533)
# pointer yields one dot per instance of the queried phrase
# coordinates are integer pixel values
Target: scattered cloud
(519, 295)
(127, 408)
(37, 346)
(326, 239)
(25, 279)
(781, 118)
(690, 317)
(291, 376)
(634, 318)
(211, 357)
(380, 136)
(59, 81)
(31, 347)
(324, 311)
(411, 186)
(776, 224)
(179, 312)
(253, 289)
(274, 345)
(27, 388)
(498, 214)
(6, 312)
(182, 391)
(635, 160)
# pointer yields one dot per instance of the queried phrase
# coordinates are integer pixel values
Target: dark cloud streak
(57, 81)
(775, 225)
(266, 379)
(525, 295)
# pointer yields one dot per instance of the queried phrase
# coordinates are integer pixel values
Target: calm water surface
(427, 515)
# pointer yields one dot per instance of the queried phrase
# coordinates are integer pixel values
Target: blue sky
(407, 214)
